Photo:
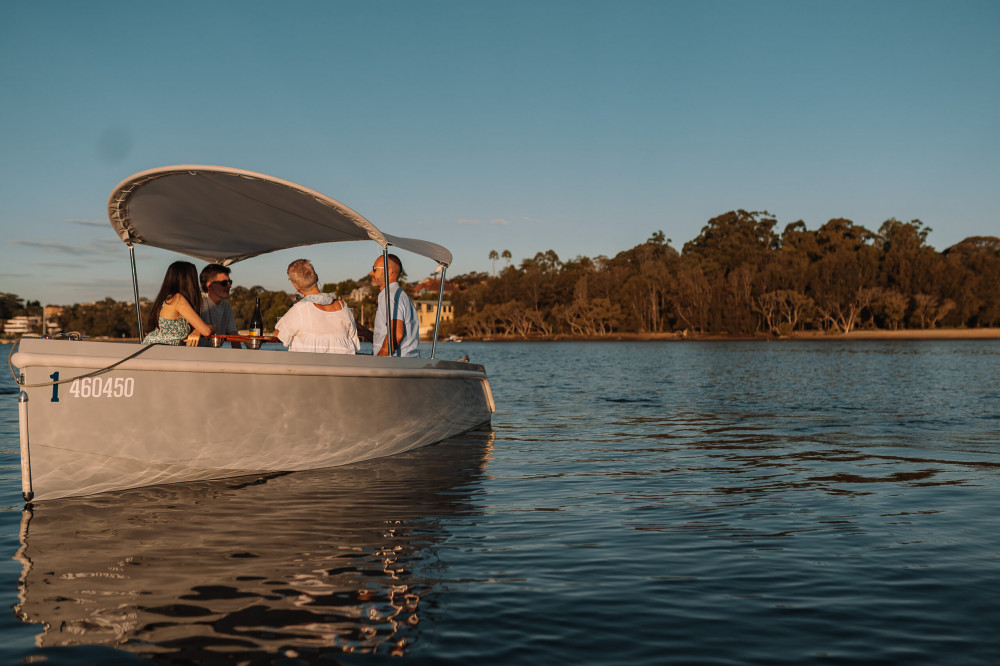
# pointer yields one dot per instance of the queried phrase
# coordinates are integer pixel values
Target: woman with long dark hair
(173, 314)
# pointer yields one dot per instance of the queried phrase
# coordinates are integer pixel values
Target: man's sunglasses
(228, 283)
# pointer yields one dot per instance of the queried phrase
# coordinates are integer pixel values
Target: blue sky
(581, 127)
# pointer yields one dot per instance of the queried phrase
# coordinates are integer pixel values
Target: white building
(360, 293)
(52, 314)
(23, 324)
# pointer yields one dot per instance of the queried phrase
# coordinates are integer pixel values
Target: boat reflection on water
(335, 560)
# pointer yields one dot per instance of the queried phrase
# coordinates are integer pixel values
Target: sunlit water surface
(647, 503)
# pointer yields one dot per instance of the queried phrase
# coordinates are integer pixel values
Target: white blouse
(306, 328)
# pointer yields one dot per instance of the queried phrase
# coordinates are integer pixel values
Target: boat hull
(173, 414)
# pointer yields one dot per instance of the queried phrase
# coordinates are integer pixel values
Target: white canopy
(222, 215)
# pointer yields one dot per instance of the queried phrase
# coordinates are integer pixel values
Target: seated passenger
(215, 308)
(172, 317)
(319, 322)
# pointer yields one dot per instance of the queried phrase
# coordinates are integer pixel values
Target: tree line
(11, 305)
(739, 276)
(109, 318)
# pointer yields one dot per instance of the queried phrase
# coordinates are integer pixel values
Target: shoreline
(810, 336)
(909, 334)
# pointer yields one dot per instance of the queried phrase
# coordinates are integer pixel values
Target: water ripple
(702, 503)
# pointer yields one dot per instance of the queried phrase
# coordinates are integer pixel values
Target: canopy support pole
(389, 337)
(437, 319)
(135, 291)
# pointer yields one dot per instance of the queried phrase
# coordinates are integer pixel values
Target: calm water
(649, 503)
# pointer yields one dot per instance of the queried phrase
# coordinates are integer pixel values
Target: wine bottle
(256, 321)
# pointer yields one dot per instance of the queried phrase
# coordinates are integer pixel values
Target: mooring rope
(92, 373)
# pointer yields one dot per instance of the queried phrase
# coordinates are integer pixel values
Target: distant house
(360, 293)
(23, 324)
(432, 286)
(427, 313)
(51, 314)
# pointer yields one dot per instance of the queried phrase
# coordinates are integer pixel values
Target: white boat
(100, 416)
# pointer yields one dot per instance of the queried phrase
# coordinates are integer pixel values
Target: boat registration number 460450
(99, 387)
(96, 387)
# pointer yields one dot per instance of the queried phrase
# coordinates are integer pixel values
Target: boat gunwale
(262, 362)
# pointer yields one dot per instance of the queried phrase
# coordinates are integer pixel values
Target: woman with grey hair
(318, 322)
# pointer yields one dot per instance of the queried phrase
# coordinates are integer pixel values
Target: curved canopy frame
(224, 215)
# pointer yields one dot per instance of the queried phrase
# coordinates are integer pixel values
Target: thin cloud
(95, 290)
(108, 245)
(48, 246)
(96, 283)
(497, 221)
(101, 248)
(88, 223)
(58, 264)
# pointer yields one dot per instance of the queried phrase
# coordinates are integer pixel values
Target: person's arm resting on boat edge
(398, 331)
(200, 327)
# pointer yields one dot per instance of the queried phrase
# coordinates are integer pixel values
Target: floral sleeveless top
(168, 332)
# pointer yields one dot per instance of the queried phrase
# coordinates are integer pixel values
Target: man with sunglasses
(215, 309)
(404, 321)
